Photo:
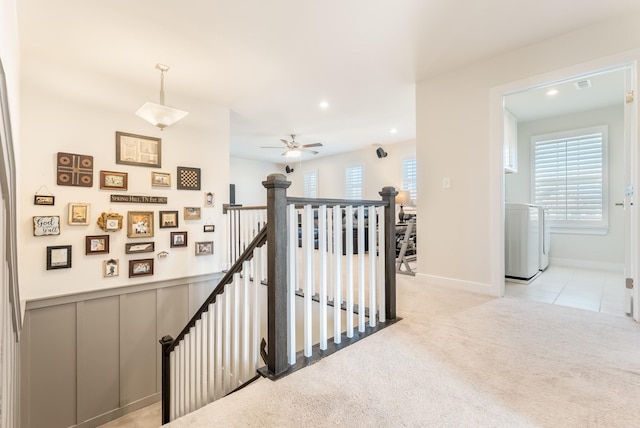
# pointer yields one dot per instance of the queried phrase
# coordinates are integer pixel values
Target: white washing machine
(522, 241)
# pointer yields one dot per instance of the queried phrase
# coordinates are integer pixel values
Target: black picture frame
(178, 239)
(44, 200)
(141, 247)
(168, 219)
(58, 257)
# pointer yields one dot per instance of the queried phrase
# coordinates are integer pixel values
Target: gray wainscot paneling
(92, 357)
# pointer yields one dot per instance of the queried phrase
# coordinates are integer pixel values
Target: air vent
(583, 84)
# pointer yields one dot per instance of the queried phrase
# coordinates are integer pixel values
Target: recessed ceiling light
(393, 130)
(324, 105)
(552, 92)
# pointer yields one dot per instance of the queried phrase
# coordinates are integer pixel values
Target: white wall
(605, 249)
(463, 226)
(248, 176)
(78, 121)
(378, 172)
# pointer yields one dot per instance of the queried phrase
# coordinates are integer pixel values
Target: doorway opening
(586, 268)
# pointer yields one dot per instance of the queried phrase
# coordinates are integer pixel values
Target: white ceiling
(272, 62)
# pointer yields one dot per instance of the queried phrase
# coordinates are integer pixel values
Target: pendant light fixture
(158, 114)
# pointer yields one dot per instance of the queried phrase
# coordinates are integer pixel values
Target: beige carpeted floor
(458, 360)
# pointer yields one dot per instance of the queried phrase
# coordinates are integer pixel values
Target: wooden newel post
(277, 302)
(388, 194)
(166, 341)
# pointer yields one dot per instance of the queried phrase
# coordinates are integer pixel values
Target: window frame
(347, 182)
(592, 227)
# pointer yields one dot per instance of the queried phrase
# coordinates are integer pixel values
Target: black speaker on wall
(381, 153)
(232, 194)
(288, 169)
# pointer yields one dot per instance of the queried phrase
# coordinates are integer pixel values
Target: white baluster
(246, 311)
(349, 268)
(361, 270)
(212, 351)
(226, 344)
(372, 266)
(219, 360)
(173, 389)
(322, 253)
(337, 278)
(293, 282)
(307, 243)
(381, 266)
(236, 292)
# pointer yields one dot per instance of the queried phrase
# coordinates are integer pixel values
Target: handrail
(316, 202)
(244, 208)
(258, 241)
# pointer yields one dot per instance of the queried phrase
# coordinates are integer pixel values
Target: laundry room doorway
(570, 146)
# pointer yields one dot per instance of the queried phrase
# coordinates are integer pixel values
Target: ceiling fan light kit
(294, 150)
(160, 115)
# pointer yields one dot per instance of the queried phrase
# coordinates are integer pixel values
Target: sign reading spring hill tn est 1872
(133, 199)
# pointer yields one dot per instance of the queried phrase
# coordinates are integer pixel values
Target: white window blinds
(409, 177)
(311, 184)
(570, 177)
(354, 178)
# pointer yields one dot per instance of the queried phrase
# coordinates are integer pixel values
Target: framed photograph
(140, 224)
(188, 178)
(111, 267)
(44, 200)
(113, 180)
(178, 239)
(160, 179)
(44, 225)
(209, 228)
(75, 170)
(138, 150)
(110, 222)
(142, 267)
(78, 214)
(204, 248)
(143, 247)
(168, 219)
(192, 213)
(97, 244)
(209, 199)
(59, 257)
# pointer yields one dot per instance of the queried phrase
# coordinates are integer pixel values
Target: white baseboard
(458, 284)
(586, 264)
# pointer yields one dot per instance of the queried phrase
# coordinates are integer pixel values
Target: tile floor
(591, 289)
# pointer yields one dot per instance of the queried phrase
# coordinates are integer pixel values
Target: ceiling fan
(294, 149)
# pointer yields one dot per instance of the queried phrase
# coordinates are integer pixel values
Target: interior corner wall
(458, 226)
(378, 172)
(248, 176)
(607, 250)
(71, 111)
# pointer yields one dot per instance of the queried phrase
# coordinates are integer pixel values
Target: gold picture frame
(139, 224)
(79, 214)
(139, 150)
(113, 180)
(160, 179)
(110, 222)
(192, 213)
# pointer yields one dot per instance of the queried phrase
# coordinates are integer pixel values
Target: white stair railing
(243, 224)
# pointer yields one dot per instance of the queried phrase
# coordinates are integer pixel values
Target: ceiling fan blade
(308, 150)
(311, 145)
(270, 147)
(285, 142)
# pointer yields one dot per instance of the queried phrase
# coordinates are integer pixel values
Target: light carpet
(458, 360)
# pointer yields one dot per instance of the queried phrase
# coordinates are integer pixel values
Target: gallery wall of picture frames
(131, 150)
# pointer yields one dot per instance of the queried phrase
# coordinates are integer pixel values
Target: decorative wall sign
(204, 248)
(209, 228)
(133, 199)
(59, 257)
(78, 214)
(140, 224)
(113, 180)
(46, 225)
(138, 150)
(111, 267)
(188, 178)
(142, 267)
(110, 222)
(143, 247)
(98, 244)
(44, 200)
(75, 170)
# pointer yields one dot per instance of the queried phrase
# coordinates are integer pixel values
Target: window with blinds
(570, 178)
(354, 179)
(311, 185)
(409, 177)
